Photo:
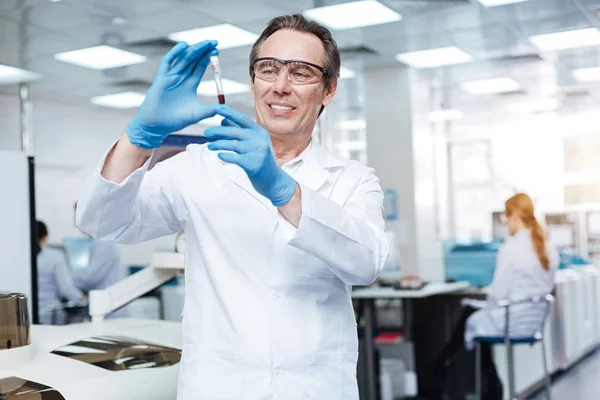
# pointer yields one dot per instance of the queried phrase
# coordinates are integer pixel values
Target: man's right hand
(172, 103)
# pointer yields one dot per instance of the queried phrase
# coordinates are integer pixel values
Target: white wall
(68, 142)
(15, 245)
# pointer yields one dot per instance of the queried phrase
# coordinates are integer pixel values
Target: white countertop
(432, 289)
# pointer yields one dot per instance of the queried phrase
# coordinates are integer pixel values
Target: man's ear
(329, 93)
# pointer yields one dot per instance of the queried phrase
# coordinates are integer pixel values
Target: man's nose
(282, 84)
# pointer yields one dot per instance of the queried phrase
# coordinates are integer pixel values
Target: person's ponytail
(538, 237)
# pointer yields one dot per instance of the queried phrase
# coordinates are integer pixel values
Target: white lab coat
(54, 282)
(518, 274)
(268, 311)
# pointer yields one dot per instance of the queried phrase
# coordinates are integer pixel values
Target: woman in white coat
(54, 281)
(525, 267)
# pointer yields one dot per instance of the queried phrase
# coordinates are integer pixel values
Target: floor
(581, 382)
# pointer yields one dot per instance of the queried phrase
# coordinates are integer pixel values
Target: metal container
(14, 321)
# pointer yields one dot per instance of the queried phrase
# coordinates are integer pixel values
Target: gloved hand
(250, 147)
(172, 103)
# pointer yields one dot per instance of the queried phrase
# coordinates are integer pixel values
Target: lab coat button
(276, 296)
(279, 372)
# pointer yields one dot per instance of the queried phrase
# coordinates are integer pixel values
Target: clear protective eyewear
(298, 72)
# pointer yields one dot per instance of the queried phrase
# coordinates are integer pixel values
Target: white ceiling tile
(239, 10)
(57, 16)
(113, 36)
(12, 31)
(449, 19)
(550, 25)
(485, 33)
(292, 6)
(496, 38)
(405, 44)
(6, 5)
(533, 9)
(10, 58)
(174, 20)
(127, 9)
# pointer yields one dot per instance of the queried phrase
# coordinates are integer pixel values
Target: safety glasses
(298, 72)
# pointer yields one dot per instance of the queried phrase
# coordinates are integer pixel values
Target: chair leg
(546, 375)
(511, 372)
(477, 371)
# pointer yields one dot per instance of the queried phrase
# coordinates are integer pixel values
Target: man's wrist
(286, 192)
(142, 137)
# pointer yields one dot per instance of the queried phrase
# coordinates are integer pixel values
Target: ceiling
(32, 31)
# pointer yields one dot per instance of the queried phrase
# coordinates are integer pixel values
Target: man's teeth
(283, 108)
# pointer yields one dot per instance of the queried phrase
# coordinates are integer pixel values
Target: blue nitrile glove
(172, 103)
(250, 147)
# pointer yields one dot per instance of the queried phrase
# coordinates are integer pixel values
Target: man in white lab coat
(277, 230)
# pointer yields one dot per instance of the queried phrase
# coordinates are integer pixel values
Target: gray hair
(297, 22)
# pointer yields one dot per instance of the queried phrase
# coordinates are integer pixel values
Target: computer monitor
(78, 250)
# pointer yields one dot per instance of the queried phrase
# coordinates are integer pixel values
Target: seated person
(525, 267)
(54, 281)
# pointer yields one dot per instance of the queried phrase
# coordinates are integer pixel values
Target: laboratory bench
(427, 318)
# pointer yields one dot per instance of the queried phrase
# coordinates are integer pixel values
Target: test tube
(214, 62)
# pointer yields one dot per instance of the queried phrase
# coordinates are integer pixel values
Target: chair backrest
(548, 299)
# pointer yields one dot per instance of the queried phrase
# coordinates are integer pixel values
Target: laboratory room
(300, 199)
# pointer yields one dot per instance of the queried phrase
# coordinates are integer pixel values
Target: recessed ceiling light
(491, 86)
(566, 40)
(346, 73)
(352, 124)
(226, 34)
(536, 106)
(100, 57)
(445, 115)
(119, 100)
(208, 88)
(587, 74)
(355, 14)
(10, 75)
(434, 57)
(494, 3)
(212, 121)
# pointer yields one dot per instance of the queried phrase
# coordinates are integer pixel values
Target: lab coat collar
(314, 171)
(316, 167)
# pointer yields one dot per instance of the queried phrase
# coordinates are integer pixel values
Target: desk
(367, 297)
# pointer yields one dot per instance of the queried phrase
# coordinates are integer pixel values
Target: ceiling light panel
(496, 3)
(346, 73)
(122, 100)
(535, 106)
(100, 57)
(491, 86)
(351, 15)
(445, 115)
(208, 88)
(434, 57)
(572, 39)
(10, 75)
(587, 74)
(227, 35)
(352, 124)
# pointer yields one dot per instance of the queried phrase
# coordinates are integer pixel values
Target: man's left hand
(248, 145)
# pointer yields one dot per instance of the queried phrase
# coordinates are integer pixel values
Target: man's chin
(280, 129)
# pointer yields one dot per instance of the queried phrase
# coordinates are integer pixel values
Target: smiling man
(277, 230)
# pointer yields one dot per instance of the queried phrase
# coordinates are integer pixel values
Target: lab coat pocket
(213, 374)
(332, 376)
